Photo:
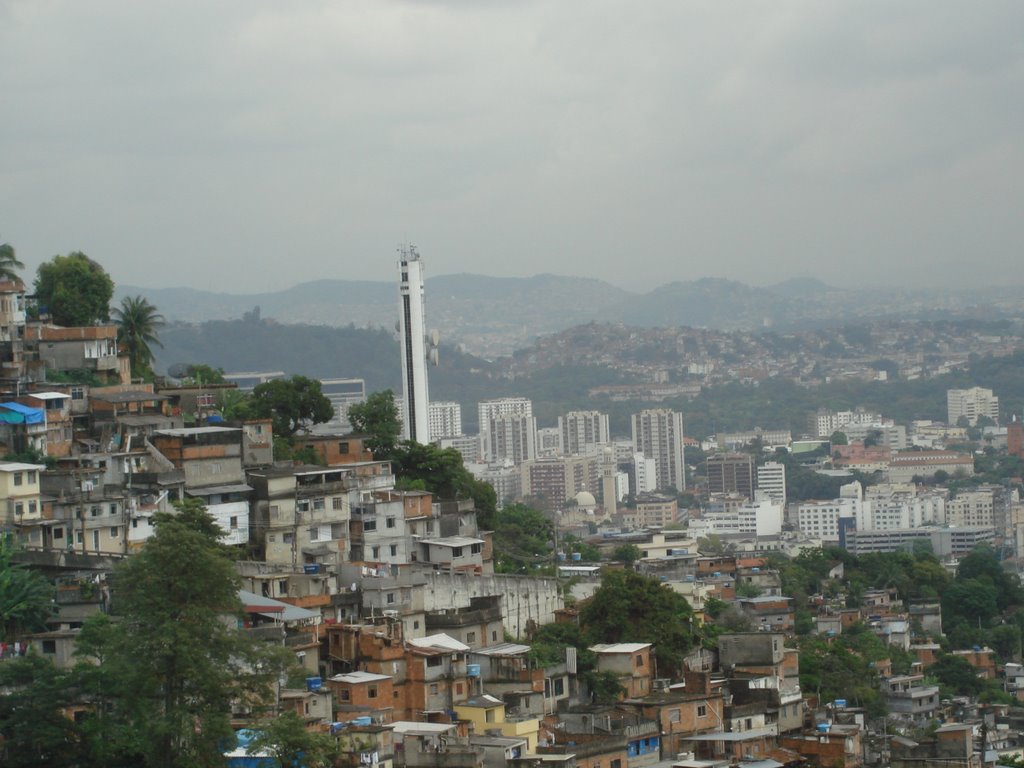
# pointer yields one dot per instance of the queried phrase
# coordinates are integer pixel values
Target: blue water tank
(473, 670)
(822, 728)
(840, 702)
(313, 568)
(361, 721)
(314, 683)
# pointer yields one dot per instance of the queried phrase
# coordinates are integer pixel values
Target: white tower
(411, 330)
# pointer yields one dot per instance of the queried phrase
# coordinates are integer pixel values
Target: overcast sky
(247, 146)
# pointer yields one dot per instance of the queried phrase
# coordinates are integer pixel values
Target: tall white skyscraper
(658, 435)
(411, 336)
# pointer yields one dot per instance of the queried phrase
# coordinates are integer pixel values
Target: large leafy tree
(9, 263)
(632, 608)
(137, 324)
(74, 289)
(26, 597)
(33, 729)
(173, 662)
(378, 419)
(294, 404)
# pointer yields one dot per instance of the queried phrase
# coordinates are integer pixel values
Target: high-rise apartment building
(731, 473)
(581, 432)
(971, 404)
(503, 406)
(771, 479)
(445, 420)
(658, 434)
(411, 337)
(510, 439)
(508, 431)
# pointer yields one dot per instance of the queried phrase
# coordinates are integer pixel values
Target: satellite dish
(178, 370)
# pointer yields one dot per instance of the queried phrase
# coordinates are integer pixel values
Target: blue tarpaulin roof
(30, 415)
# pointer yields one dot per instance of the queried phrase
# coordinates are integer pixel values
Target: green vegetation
(26, 597)
(137, 325)
(171, 666)
(632, 608)
(379, 421)
(293, 404)
(523, 539)
(9, 264)
(200, 374)
(74, 289)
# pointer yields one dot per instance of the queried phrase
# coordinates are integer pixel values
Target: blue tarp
(30, 415)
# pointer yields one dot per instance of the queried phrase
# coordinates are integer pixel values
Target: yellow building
(20, 504)
(487, 713)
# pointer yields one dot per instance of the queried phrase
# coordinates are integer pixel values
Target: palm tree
(137, 322)
(9, 263)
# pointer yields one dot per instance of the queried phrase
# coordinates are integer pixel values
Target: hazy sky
(250, 145)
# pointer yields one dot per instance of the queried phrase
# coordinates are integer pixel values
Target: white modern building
(510, 438)
(771, 479)
(445, 420)
(971, 403)
(582, 432)
(412, 339)
(658, 434)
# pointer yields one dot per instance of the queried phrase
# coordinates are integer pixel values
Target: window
(58, 533)
(390, 598)
(338, 502)
(274, 511)
(287, 538)
(343, 448)
(390, 522)
(371, 691)
(376, 553)
(369, 525)
(456, 552)
(31, 507)
(272, 537)
(113, 508)
(233, 522)
(458, 689)
(31, 476)
(433, 689)
(434, 661)
(639, 659)
(416, 624)
(95, 511)
(702, 710)
(78, 393)
(319, 504)
(494, 636)
(78, 537)
(559, 686)
(616, 763)
(471, 637)
(19, 508)
(343, 694)
(115, 532)
(49, 646)
(673, 715)
(18, 479)
(393, 549)
(314, 533)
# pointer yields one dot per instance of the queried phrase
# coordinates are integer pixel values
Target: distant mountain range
(493, 316)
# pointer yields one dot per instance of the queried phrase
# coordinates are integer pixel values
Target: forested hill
(253, 344)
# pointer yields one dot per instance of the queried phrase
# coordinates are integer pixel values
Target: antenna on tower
(434, 347)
